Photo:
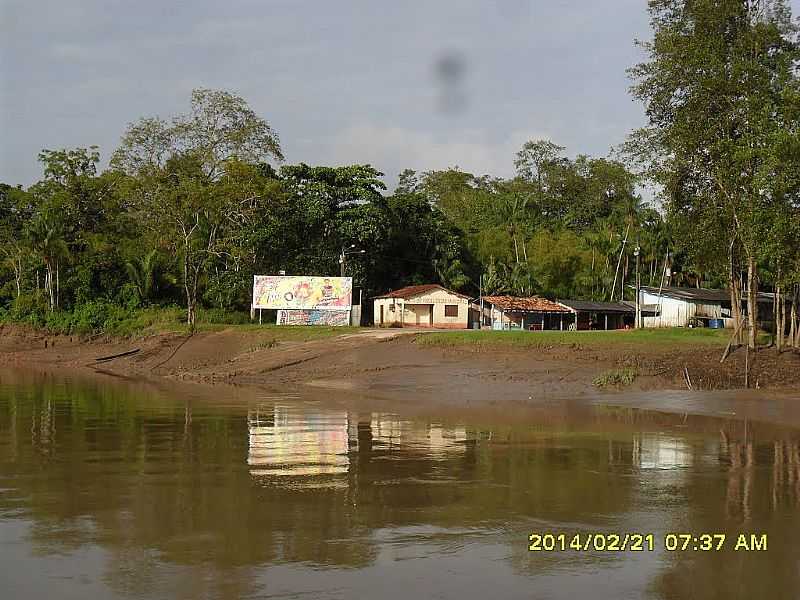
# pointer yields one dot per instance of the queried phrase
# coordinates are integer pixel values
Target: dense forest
(191, 207)
(189, 210)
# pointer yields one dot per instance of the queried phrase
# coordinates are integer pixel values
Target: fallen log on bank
(113, 356)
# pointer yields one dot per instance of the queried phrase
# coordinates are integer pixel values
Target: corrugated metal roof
(591, 306)
(702, 294)
(653, 308)
(695, 294)
(532, 304)
(417, 290)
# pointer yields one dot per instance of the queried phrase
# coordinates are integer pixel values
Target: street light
(346, 252)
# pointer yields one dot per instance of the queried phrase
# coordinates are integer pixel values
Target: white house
(422, 306)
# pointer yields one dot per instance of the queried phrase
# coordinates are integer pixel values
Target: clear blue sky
(341, 82)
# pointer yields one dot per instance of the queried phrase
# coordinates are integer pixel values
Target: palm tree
(142, 273)
(510, 211)
(46, 234)
(493, 280)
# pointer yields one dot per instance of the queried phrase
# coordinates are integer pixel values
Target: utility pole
(638, 317)
(480, 301)
(343, 256)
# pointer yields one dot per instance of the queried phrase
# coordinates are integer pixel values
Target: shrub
(30, 308)
(624, 376)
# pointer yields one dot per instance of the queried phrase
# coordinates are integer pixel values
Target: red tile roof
(534, 304)
(417, 290)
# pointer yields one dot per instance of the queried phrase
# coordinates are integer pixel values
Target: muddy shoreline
(392, 364)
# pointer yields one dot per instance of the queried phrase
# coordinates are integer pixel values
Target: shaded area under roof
(532, 304)
(601, 307)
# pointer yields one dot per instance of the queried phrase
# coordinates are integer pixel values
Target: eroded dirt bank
(393, 364)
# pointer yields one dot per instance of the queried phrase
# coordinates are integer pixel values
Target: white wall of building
(677, 313)
(416, 311)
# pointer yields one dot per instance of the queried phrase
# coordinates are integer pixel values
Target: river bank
(462, 367)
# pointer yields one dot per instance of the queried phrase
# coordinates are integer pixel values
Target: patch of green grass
(624, 376)
(584, 339)
(173, 320)
(110, 319)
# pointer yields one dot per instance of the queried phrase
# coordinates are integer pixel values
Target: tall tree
(714, 86)
(175, 169)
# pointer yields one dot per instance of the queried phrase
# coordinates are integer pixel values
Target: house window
(451, 310)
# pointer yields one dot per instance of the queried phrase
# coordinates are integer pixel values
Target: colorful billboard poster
(302, 292)
(331, 318)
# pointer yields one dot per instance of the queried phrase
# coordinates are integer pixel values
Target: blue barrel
(716, 323)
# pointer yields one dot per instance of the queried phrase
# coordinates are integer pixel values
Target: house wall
(406, 312)
(677, 313)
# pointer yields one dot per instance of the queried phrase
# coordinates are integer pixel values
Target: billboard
(301, 292)
(332, 318)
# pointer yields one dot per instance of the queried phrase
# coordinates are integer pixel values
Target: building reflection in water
(659, 451)
(289, 442)
(283, 442)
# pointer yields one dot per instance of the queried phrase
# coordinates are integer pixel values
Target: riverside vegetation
(190, 208)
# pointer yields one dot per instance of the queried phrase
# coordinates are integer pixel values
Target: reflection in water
(282, 444)
(658, 451)
(146, 495)
(287, 441)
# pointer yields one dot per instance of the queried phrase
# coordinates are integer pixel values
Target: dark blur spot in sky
(450, 70)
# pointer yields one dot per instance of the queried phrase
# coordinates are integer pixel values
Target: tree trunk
(736, 305)
(18, 274)
(776, 306)
(752, 301)
(782, 334)
(191, 304)
(191, 311)
(48, 285)
(619, 262)
(794, 326)
(624, 278)
(189, 287)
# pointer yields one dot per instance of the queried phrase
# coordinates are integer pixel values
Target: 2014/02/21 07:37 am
(640, 542)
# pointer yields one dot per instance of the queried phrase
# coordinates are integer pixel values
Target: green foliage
(30, 308)
(616, 377)
(190, 209)
(722, 94)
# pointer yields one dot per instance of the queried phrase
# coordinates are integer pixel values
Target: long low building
(536, 314)
(600, 315)
(680, 307)
(532, 313)
(428, 305)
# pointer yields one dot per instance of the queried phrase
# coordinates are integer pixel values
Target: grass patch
(116, 321)
(624, 376)
(582, 339)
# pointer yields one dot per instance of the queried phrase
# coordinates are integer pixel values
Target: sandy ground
(390, 364)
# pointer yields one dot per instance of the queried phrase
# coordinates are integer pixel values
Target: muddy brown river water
(122, 491)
